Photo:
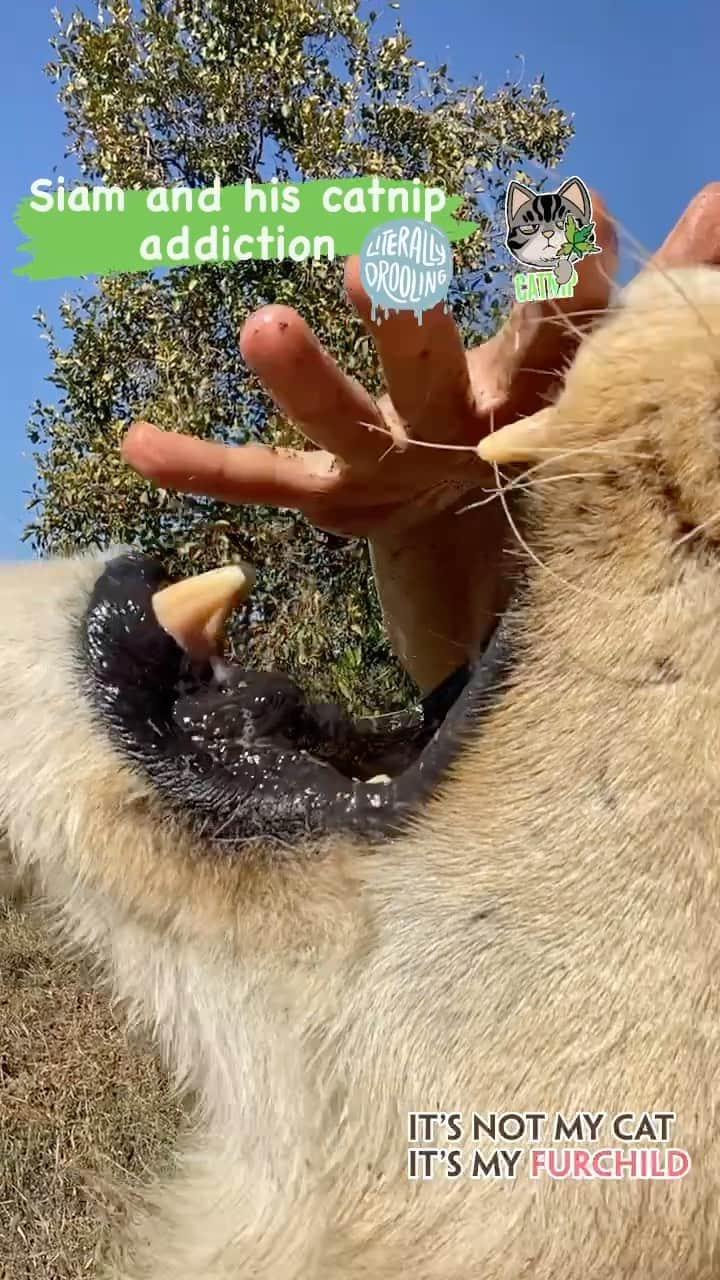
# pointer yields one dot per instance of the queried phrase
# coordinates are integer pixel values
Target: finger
(554, 342)
(695, 238)
(521, 364)
(251, 473)
(595, 273)
(425, 365)
(331, 409)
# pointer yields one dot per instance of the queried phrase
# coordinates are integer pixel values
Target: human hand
(440, 576)
(354, 482)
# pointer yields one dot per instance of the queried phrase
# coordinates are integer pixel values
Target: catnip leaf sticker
(578, 240)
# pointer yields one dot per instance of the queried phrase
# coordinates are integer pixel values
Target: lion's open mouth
(246, 753)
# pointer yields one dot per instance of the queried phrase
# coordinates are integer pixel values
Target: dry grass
(82, 1112)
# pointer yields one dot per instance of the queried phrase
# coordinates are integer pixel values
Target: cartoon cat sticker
(548, 231)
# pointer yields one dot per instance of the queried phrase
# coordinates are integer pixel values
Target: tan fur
(8, 881)
(545, 938)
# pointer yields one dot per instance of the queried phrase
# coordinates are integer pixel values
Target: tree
(184, 90)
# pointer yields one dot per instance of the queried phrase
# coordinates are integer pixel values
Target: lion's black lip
(249, 756)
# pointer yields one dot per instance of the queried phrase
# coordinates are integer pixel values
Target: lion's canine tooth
(194, 611)
(380, 777)
(519, 441)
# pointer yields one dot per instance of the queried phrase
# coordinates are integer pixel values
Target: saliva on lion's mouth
(246, 753)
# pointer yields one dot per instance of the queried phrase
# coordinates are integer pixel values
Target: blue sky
(641, 78)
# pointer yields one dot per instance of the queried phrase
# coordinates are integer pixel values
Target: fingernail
(146, 426)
